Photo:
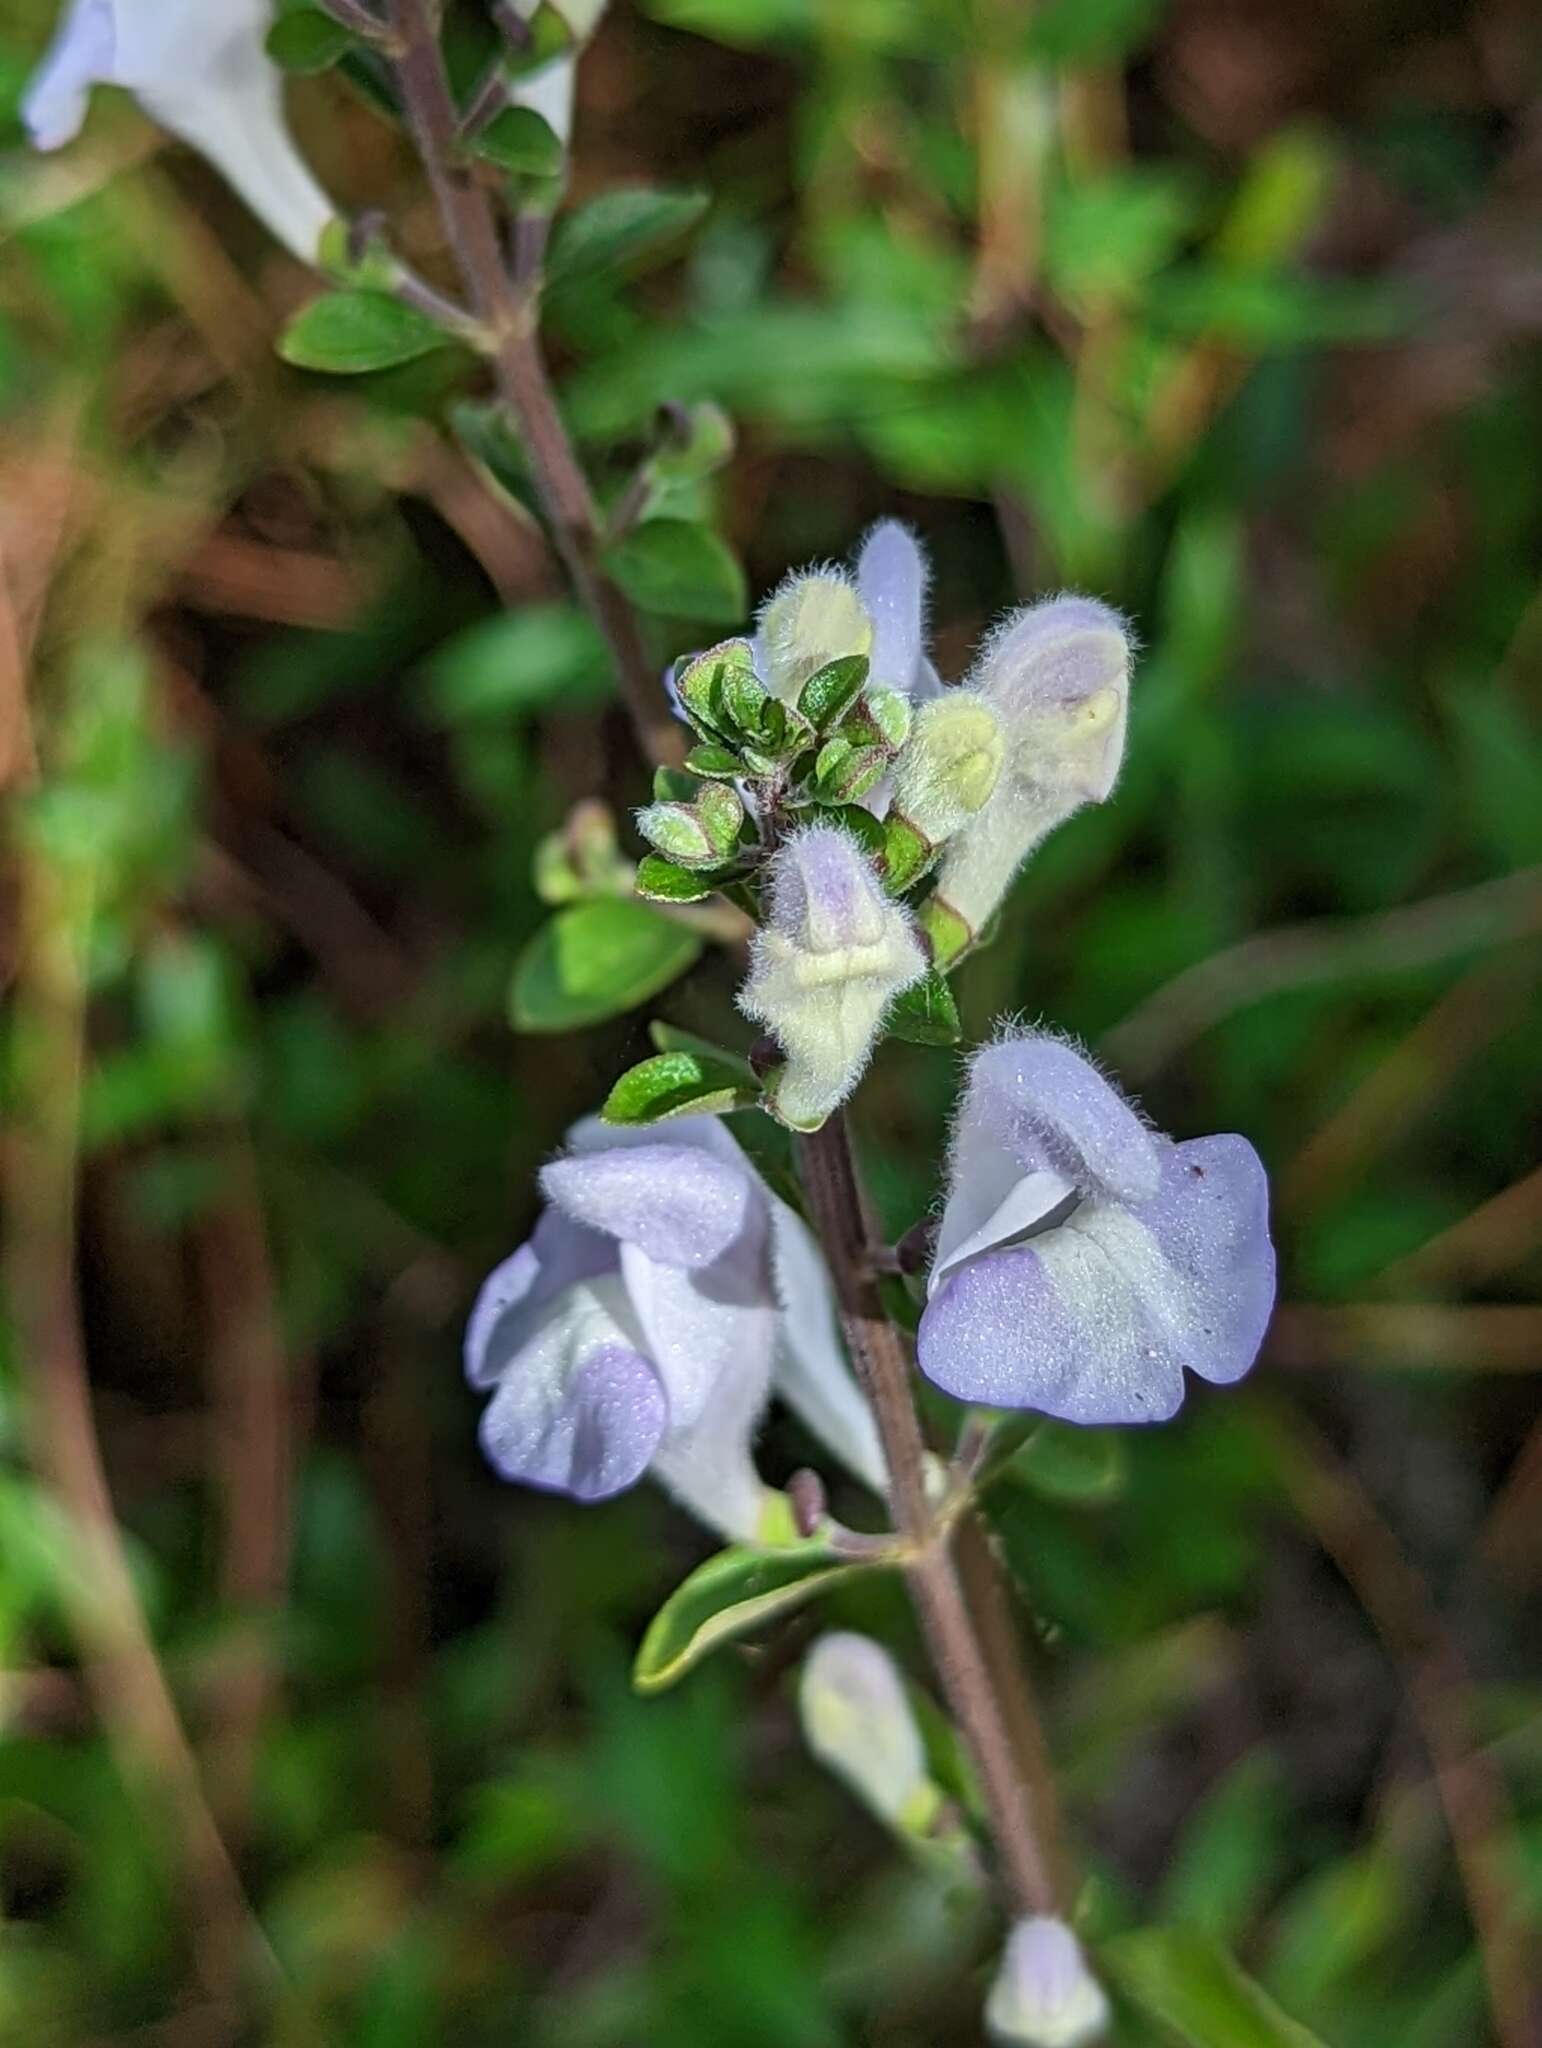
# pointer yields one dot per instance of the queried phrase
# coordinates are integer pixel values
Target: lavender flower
(1083, 1260)
(833, 954)
(662, 1297)
(1044, 1995)
(892, 576)
(1057, 675)
(199, 68)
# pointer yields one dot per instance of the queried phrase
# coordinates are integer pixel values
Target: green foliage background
(1229, 315)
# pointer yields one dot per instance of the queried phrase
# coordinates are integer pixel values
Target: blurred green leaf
(925, 1013)
(522, 141)
(307, 40)
(597, 960)
(679, 568)
(621, 229)
(348, 332)
(541, 657)
(1188, 1986)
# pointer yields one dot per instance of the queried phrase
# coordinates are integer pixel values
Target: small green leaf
(891, 716)
(712, 760)
(925, 1013)
(670, 1038)
(491, 439)
(697, 440)
(679, 834)
(619, 230)
(307, 40)
(702, 684)
(906, 855)
(665, 881)
(1070, 1463)
(722, 816)
(681, 568)
(348, 332)
(831, 691)
(1186, 1984)
(732, 1593)
(674, 786)
(519, 140)
(867, 830)
(518, 663)
(597, 960)
(676, 1084)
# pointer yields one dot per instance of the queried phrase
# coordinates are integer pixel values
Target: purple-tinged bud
(1044, 1995)
(835, 952)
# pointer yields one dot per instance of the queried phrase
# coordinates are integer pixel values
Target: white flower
(833, 954)
(1058, 675)
(662, 1298)
(1044, 1995)
(199, 68)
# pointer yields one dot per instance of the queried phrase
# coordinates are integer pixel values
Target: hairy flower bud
(859, 1723)
(1058, 677)
(812, 620)
(949, 771)
(835, 952)
(1044, 1995)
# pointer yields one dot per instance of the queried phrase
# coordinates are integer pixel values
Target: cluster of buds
(868, 818)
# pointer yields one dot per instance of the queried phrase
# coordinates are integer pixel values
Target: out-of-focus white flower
(1058, 675)
(549, 89)
(859, 1723)
(199, 68)
(833, 954)
(1044, 1995)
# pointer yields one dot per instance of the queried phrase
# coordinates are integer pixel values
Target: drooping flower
(860, 1724)
(832, 955)
(1058, 676)
(198, 67)
(1084, 1260)
(1044, 1995)
(664, 1294)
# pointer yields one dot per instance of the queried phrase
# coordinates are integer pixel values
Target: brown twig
(841, 1221)
(509, 312)
(1407, 1334)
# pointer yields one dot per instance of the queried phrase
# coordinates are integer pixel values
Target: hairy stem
(509, 311)
(839, 1208)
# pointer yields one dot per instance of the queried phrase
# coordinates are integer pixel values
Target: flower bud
(1044, 1995)
(834, 953)
(859, 1723)
(810, 622)
(1058, 677)
(678, 833)
(949, 771)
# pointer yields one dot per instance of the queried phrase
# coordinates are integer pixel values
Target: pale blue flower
(1044, 1995)
(664, 1295)
(1084, 1260)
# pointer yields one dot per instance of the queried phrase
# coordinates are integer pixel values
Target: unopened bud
(678, 833)
(832, 956)
(859, 1723)
(1058, 677)
(810, 622)
(949, 771)
(1044, 1995)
